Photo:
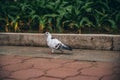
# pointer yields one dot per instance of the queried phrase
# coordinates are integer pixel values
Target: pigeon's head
(47, 34)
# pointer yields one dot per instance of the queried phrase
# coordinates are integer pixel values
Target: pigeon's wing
(53, 43)
(58, 45)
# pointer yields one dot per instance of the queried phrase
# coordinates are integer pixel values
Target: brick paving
(14, 67)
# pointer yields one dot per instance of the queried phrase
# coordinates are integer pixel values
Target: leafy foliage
(99, 16)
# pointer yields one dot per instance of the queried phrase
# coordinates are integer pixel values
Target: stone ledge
(84, 41)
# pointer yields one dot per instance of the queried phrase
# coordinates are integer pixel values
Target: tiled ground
(13, 67)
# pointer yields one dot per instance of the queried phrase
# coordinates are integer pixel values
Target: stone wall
(82, 41)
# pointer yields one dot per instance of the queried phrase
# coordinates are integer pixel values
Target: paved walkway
(24, 67)
(14, 67)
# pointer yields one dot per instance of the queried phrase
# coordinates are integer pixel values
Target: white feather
(52, 43)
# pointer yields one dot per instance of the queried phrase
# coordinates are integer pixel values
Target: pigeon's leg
(52, 51)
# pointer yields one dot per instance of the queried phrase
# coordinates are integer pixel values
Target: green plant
(100, 16)
(77, 15)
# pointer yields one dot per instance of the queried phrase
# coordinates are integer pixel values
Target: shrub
(99, 16)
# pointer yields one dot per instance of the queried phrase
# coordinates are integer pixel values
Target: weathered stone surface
(16, 67)
(4, 39)
(111, 77)
(24, 39)
(100, 69)
(62, 72)
(9, 60)
(82, 78)
(4, 74)
(116, 43)
(78, 65)
(85, 41)
(26, 74)
(46, 78)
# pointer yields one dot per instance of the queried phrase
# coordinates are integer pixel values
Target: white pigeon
(55, 44)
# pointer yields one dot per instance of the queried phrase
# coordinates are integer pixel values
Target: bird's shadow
(64, 53)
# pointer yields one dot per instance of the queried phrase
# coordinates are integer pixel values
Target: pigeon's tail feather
(67, 48)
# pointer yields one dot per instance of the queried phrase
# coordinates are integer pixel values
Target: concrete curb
(84, 41)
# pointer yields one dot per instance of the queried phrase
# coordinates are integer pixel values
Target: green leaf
(35, 16)
(2, 19)
(99, 12)
(85, 21)
(87, 5)
(51, 15)
(112, 23)
(117, 17)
